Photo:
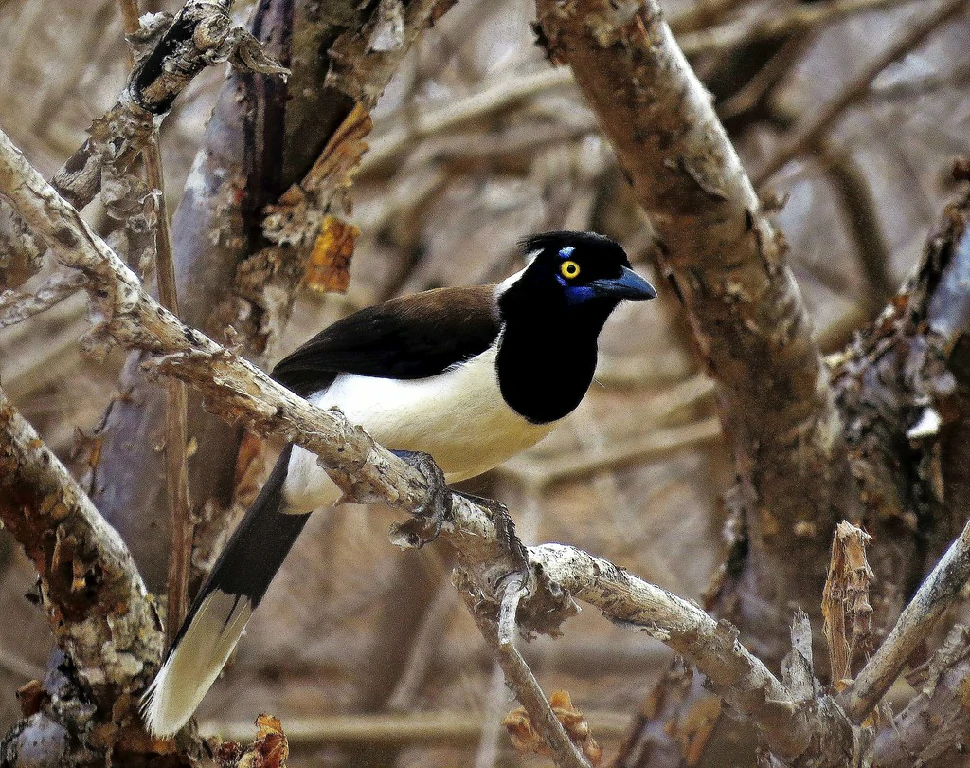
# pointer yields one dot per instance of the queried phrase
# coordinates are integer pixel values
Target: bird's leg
(437, 510)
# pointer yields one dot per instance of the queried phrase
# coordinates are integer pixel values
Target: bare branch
(414, 727)
(800, 18)
(901, 387)
(176, 412)
(201, 34)
(935, 722)
(518, 676)
(744, 682)
(850, 184)
(16, 306)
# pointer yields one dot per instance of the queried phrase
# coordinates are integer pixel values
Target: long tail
(218, 615)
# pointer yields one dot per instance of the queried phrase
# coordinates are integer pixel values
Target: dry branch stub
(845, 602)
(96, 604)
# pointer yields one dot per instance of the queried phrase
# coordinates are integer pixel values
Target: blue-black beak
(629, 285)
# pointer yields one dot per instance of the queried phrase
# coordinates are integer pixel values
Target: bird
(470, 375)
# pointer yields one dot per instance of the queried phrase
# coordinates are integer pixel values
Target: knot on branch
(541, 604)
(201, 34)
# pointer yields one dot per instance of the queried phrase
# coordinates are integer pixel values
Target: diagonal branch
(96, 603)
(933, 727)
(201, 34)
(809, 135)
(725, 260)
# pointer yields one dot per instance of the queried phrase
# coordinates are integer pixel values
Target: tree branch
(16, 306)
(807, 136)
(725, 260)
(176, 408)
(200, 34)
(934, 725)
(96, 604)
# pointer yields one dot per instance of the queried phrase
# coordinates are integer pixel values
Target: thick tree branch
(726, 261)
(903, 388)
(95, 601)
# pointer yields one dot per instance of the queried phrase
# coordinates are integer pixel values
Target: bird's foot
(425, 527)
(504, 527)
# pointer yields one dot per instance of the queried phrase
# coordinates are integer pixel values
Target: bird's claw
(438, 508)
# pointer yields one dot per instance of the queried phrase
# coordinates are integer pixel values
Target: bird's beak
(628, 285)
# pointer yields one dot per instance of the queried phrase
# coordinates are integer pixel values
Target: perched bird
(469, 375)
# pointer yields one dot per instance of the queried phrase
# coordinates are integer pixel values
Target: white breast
(459, 417)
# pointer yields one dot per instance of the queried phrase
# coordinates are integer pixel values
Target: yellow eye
(569, 269)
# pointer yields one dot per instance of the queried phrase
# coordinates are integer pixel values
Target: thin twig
(649, 446)
(937, 592)
(476, 106)
(201, 34)
(933, 725)
(853, 190)
(500, 95)
(177, 407)
(457, 728)
(518, 676)
(856, 91)
(424, 650)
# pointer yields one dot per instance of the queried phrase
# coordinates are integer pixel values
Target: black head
(579, 270)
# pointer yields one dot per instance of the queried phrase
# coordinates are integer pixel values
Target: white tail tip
(195, 662)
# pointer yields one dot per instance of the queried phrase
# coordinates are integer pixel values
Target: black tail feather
(257, 548)
(218, 615)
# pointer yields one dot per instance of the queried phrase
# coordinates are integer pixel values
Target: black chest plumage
(547, 351)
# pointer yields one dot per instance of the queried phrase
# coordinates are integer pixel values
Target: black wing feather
(407, 338)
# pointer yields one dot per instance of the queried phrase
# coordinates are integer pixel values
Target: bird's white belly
(459, 417)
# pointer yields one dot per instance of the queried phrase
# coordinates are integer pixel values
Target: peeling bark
(201, 34)
(96, 605)
(904, 390)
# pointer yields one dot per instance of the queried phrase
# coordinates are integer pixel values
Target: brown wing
(407, 338)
